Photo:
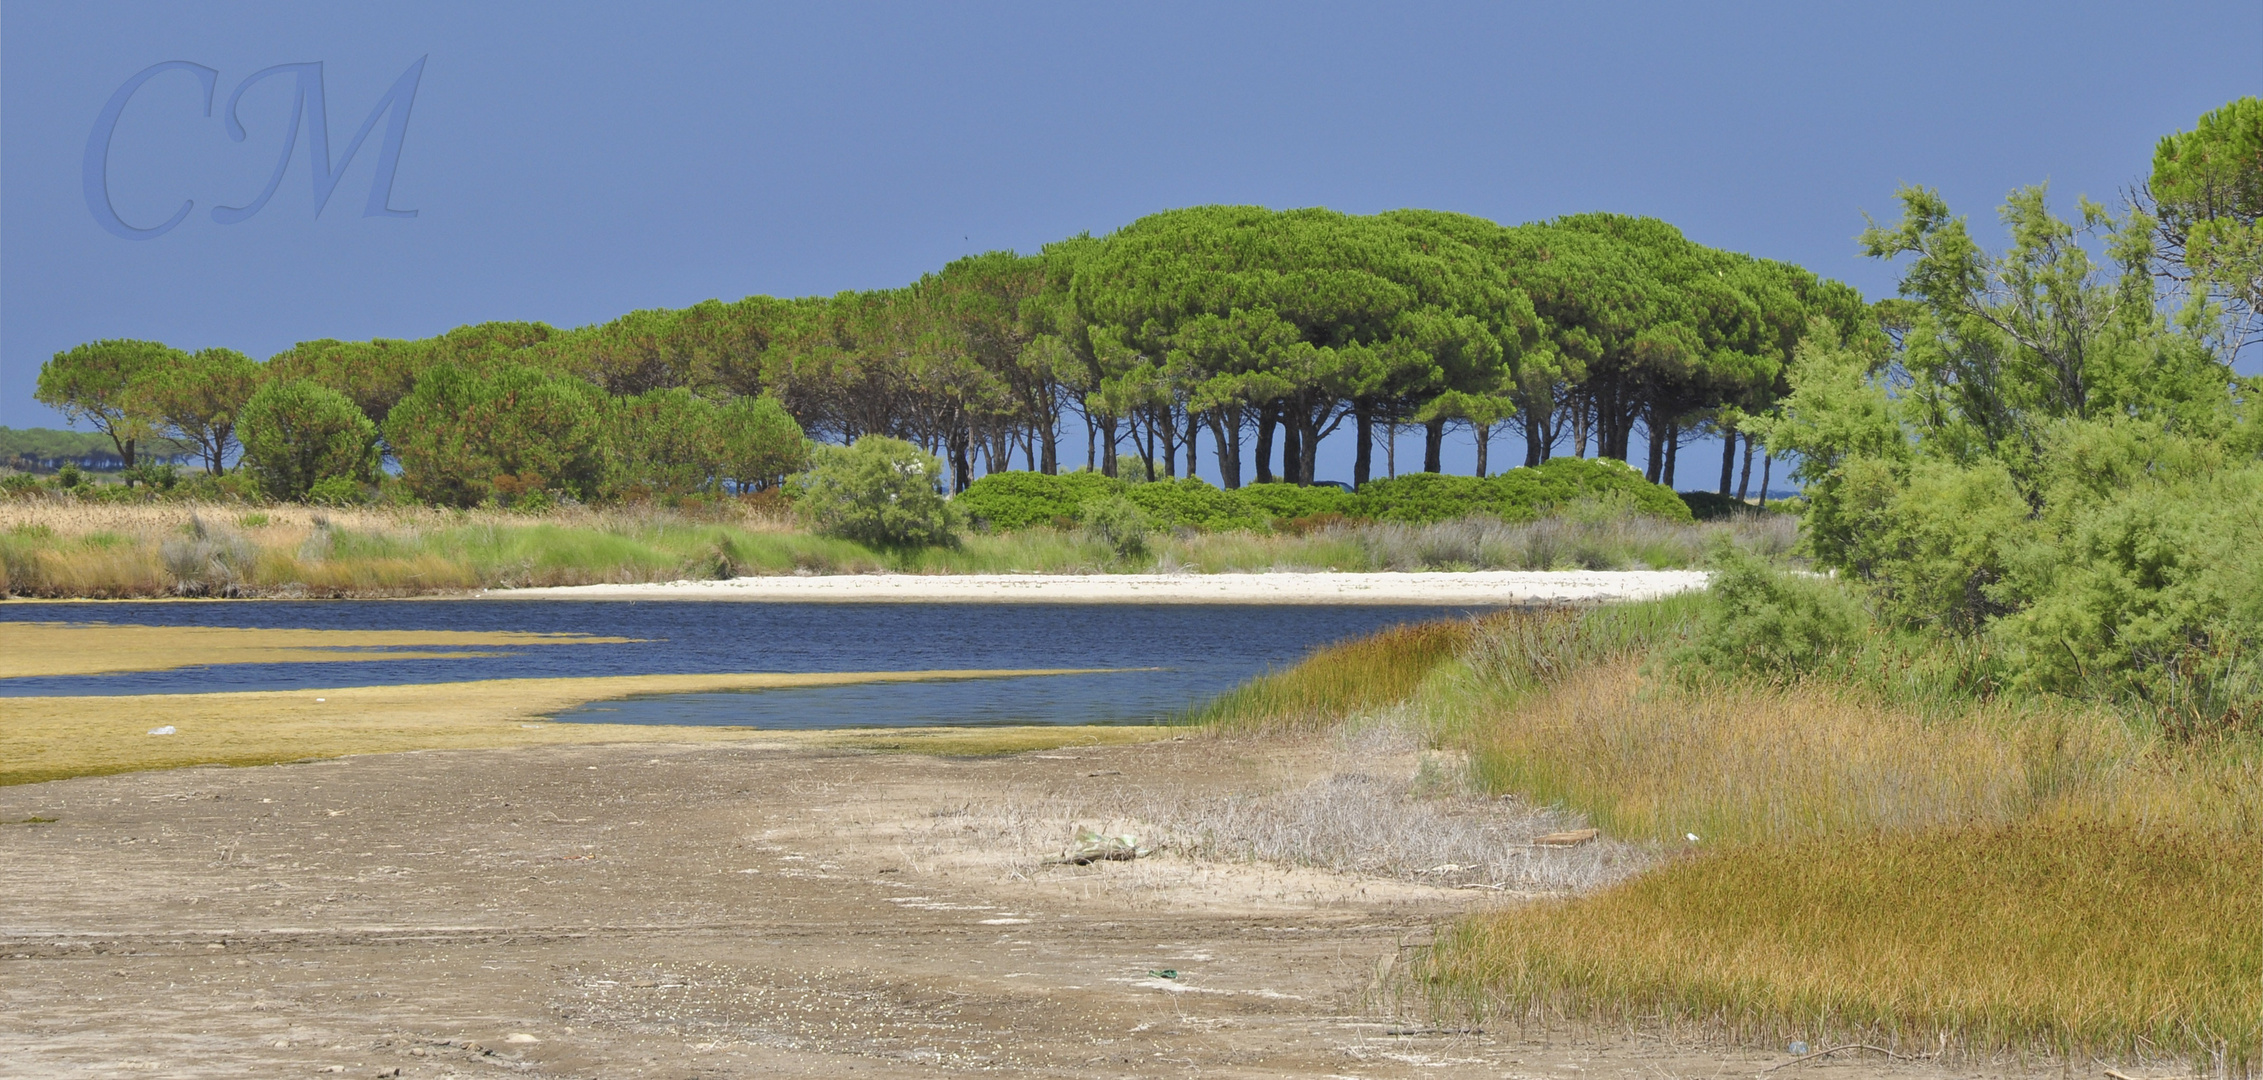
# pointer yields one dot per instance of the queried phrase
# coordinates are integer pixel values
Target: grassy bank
(69, 549)
(1915, 867)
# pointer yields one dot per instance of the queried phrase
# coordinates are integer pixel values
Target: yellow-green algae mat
(51, 738)
(57, 648)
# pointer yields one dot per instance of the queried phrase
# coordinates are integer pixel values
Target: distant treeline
(46, 449)
(1218, 329)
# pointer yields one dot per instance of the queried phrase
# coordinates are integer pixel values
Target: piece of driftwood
(1573, 838)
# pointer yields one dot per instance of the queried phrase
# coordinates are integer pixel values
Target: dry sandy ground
(747, 910)
(1483, 587)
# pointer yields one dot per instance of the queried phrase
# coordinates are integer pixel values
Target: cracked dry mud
(717, 911)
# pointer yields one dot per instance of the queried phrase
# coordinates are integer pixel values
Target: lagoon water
(1181, 654)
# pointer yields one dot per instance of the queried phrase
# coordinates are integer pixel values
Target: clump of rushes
(1339, 682)
(2074, 938)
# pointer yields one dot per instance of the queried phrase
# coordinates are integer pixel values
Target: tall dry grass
(2070, 938)
(64, 548)
(1573, 541)
(1945, 869)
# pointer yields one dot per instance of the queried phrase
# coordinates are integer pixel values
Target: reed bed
(1838, 859)
(1338, 683)
(2067, 938)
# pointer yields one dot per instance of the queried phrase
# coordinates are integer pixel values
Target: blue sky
(569, 164)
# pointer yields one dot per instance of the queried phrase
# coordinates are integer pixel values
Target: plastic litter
(1090, 847)
(1166, 973)
(166, 730)
(1798, 1048)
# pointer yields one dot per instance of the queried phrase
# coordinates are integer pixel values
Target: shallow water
(1195, 651)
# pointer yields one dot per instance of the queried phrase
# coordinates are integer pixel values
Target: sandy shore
(1488, 587)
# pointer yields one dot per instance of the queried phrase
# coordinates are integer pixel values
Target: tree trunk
(1433, 443)
(1728, 459)
(1292, 448)
(1226, 430)
(1147, 456)
(1050, 463)
(1308, 453)
(1108, 447)
(1657, 456)
(1673, 450)
(1391, 449)
(1484, 436)
(1744, 483)
(1170, 431)
(1767, 469)
(960, 463)
(1265, 415)
(1363, 455)
(1194, 434)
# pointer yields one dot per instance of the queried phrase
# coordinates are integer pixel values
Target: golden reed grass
(1965, 875)
(2001, 877)
(2073, 938)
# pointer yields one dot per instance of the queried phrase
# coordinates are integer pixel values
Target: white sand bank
(1489, 587)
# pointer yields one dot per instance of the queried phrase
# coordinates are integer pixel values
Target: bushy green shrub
(1006, 501)
(879, 491)
(1761, 622)
(1192, 502)
(1289, 502)
(1118, 522)
(336, 491)
(1423, 498)
(1520, 494)
(760, 444)
(296, 434)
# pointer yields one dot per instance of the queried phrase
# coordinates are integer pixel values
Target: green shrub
(1006, 501)
(761, 444)
(1761, 622)
(1423, 498)
(880, 491)
(1520, 494)
(1118, 522)
(1193, 502)
(296, 434)
(335, 491)
(1289, 502)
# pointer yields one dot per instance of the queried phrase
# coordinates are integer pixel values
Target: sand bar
(1486, 587)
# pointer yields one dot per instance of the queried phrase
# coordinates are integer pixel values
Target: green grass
(1339, 682)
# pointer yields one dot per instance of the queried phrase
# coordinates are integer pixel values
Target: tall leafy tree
(95, 382)
(464, 437)
(297, 434)
(199, 399)
(2205, 201)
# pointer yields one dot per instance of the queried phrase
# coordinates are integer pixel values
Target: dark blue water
(1196, 650)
